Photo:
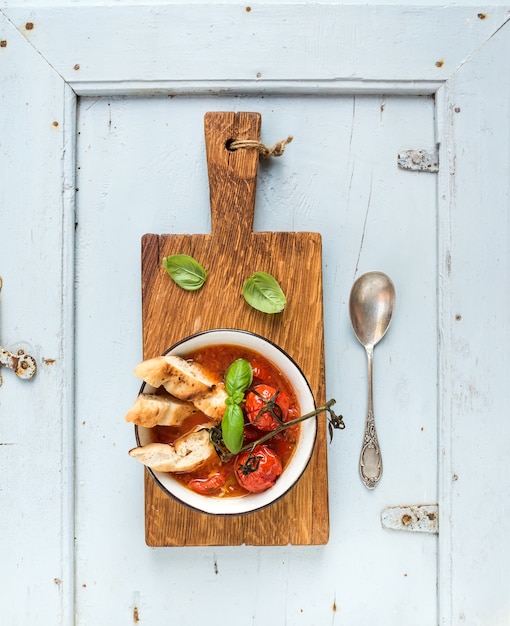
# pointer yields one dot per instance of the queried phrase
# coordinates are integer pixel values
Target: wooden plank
(473, 118)
(415, 48)
(231, 253)
(36, 309)
(146, 172)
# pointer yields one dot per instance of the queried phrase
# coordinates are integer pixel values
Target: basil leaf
(232, 428)
(238, 378)
(185, 271)
(262, 292)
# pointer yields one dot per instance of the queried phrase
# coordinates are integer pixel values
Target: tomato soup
(218, 478)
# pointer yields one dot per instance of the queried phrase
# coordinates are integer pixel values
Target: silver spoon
(371, 306)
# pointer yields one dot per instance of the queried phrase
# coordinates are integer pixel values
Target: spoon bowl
(371, 306)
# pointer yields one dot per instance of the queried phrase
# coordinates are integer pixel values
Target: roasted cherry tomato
(266, 407)
(257, 469)
(207, 486)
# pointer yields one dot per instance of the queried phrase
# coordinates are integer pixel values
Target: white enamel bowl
(304, 449)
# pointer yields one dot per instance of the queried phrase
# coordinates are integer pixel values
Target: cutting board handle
(232, 173)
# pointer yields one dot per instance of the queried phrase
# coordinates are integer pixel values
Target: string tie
(265, 152)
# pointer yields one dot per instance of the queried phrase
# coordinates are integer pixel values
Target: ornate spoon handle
(370, 459)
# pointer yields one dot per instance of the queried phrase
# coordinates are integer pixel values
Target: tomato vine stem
(334, 422)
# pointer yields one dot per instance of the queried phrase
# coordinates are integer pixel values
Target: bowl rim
(154, 474)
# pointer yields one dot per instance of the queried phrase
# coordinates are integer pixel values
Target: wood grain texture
(230, 254)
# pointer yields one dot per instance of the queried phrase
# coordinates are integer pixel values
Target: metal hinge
(419, 160)
(421, 518)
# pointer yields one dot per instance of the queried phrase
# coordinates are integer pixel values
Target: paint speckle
(29, 26)
(457, 109)
(248, 9)
(482, 16)
(55, 124)
(259, 74)
(3, 43)
(440, 63)
(57, 581)
(458, 317)
(136, 615)
(76, 67)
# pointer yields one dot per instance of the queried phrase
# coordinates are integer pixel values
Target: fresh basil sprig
(262, 292)
(185, 271)
(334, 422)
(238, 378)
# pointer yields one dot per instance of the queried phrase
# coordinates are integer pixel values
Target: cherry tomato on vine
(266, 407)
(257, 469)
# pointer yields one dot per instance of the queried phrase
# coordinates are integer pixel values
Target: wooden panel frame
(48, 60)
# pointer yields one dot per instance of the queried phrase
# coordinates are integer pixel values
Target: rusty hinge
(421, 518)
(419, 160)
(23, 364)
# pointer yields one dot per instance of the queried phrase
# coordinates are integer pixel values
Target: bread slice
(212, 404)
(151, 410)
(187, 381)
(186, 454)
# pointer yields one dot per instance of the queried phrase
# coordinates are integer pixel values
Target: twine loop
(265, 152)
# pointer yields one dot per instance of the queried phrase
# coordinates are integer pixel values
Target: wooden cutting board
(230, 254)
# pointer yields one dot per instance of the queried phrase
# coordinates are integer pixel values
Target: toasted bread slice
(187, 381)
(212, 404)
(184, 380)
(186, 454)
(151, 410)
